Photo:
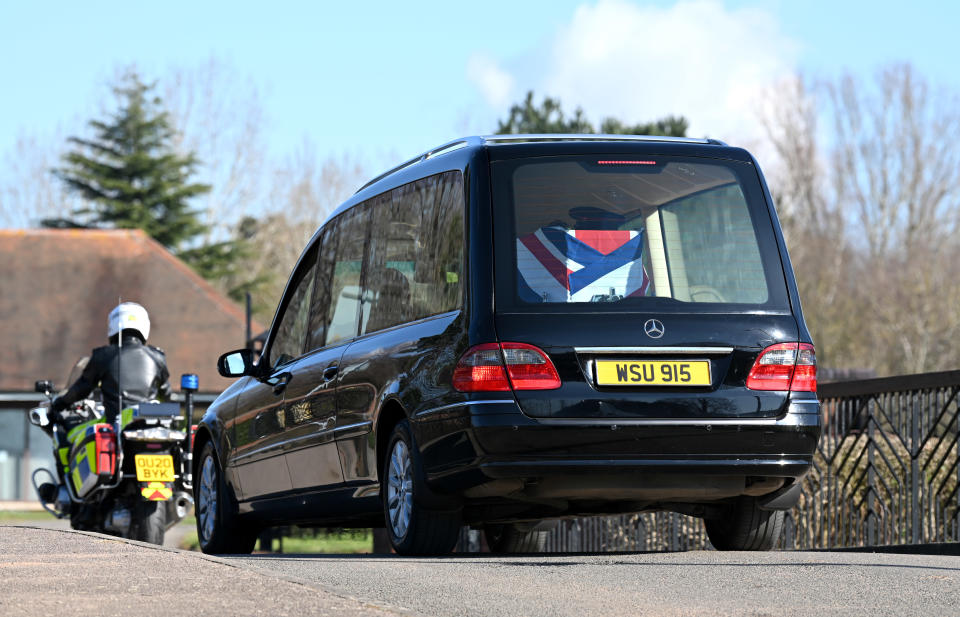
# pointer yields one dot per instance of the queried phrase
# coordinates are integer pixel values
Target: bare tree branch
(30, 193)
(219, 116)
(872, 234)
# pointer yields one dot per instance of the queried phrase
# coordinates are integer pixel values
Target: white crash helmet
(129, 316)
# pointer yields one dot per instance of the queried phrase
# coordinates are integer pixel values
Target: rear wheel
(413, 529)
(511, 538)
(745, 527)
(149, 522)
(219, 529)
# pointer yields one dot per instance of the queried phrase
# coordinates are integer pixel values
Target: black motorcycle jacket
(140, 369)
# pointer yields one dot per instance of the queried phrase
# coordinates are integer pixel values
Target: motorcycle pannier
(106, 445)
(93, 459)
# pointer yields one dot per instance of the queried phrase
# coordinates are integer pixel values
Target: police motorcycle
(131, 478)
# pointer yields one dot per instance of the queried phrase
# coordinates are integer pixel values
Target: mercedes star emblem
(653, 328)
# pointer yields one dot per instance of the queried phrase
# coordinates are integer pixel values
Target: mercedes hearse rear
(651, 353)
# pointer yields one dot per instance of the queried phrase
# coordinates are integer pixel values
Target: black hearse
(508, 330)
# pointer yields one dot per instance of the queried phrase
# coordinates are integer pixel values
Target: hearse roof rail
(519, 138)
(450, 146)
(494, 140)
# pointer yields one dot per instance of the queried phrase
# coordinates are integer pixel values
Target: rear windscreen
(627, 230)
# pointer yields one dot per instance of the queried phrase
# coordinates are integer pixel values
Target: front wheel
(743, 526)
(218, 528)
(413, 529)
(149, 522)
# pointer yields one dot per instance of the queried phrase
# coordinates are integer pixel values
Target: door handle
(330, 372)
(282, 380)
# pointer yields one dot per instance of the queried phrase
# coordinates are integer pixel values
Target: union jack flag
(556, 264)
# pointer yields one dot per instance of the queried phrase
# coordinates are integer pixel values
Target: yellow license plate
(653, 372)
(154, 467)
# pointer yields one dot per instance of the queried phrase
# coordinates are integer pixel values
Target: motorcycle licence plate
(154, 467)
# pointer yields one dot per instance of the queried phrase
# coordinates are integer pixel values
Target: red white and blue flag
(556, 264)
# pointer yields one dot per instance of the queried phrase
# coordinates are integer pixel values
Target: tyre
(745, 527)
(510, 538)
(219, 529)
(413, 528)
(149, 522)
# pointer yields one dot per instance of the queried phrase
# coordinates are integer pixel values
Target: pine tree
(130, 173)
(670, 126)
(548, 117)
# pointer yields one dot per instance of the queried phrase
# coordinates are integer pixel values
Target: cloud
(495, 84)
(637, 63)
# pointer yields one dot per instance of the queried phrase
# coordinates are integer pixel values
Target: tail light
(481, 369)
(500, 367)
(529, 368)
(785, 367)
(105, 443)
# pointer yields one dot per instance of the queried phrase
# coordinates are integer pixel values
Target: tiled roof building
(57, 287)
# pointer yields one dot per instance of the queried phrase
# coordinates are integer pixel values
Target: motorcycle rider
(126, 365)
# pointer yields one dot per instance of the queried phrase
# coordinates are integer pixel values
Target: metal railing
(885, 472)
(886, 468)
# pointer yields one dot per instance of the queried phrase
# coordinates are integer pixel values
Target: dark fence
(885, 472)
(886, 469)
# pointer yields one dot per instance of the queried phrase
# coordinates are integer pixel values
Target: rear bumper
(476, 449)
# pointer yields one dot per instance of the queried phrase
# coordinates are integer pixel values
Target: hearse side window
(292, 324)
(393, 254)
(416, 252)
(344, 310)
(319, 312)
(445, 242)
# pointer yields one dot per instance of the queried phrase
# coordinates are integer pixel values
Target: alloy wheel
(207, 499)
(400, 489)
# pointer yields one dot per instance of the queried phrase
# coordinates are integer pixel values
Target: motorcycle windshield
(75, 373)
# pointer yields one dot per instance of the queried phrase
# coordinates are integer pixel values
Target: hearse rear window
(625, 229)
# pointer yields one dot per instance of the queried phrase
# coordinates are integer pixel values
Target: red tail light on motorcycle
(494, 367)
(105, 443)
(785, 367)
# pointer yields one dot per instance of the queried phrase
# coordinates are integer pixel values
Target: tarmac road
(50, 572)
(693, 583)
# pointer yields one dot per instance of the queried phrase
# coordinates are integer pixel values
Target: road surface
(53, 572)
(692, 583)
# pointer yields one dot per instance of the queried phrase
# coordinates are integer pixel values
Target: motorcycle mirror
(38, 416)
(43, 386)
(236, 363)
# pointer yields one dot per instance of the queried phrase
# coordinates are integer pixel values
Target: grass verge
(324, 543)
(24, 516)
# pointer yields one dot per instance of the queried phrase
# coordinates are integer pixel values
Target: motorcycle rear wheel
(149, 522)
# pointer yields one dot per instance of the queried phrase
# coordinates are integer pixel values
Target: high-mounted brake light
(626, 162)
(785, 367)
(494, 367)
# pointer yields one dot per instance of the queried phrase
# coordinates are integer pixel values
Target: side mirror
(236, 363)
(43, 386)
(39, 416)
